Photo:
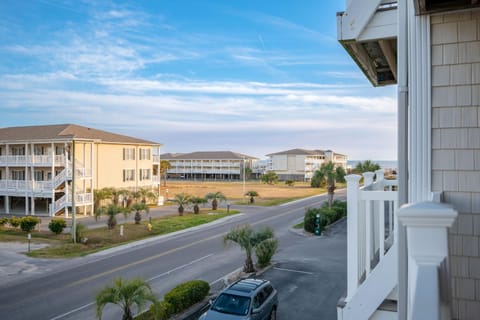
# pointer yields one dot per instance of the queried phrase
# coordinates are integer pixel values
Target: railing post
(380, 175)
(353, 183)
(427, 258)
(368, 178)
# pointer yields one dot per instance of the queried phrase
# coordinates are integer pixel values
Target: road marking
(180, 267)
(72, 311)
(149, 280)
(291, 270)
(299, 200)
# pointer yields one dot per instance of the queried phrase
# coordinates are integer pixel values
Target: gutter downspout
(402, 154)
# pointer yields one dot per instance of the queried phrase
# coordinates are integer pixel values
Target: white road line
(180, 267)
(291, 270)
(73, 311)
(149, 280)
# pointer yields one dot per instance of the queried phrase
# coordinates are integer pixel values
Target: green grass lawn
(61, 246)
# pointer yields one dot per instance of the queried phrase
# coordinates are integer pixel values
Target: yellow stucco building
(38, 174)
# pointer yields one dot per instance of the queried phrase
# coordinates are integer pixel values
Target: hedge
(187, 294)
(327, 215)
(177, 300)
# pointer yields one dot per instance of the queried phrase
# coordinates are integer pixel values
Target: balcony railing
(39, 160)
(26, 185)
(371, 225)
(156, 159)
(156, 180)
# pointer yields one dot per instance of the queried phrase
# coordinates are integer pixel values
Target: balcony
(36, 160)
(26, 185)
(156, 159)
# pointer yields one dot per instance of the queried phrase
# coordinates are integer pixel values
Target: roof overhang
(368, 32)
(432, 6)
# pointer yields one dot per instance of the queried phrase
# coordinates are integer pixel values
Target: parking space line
(291, 270)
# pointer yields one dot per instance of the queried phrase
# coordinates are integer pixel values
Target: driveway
(310, 276)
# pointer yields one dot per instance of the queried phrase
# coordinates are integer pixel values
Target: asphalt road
(68, 291)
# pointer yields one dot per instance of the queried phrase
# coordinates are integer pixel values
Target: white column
(353, 183)
(427, 226)
(419, 100)
(52, 177)
(7, 204)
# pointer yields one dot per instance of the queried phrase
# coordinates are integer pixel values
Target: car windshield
(232, 304)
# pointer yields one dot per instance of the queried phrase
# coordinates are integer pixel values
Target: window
(144, 154)
(38, 150)
(128, 174)
(144, 174)
(59, 150)
(18, 151)
(39, 176)
(128, 153)
(18, 175)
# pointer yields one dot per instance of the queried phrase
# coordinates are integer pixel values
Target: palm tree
(99, 195)
(366, 166)
(164, 166)
(138, 207)
(182, 200)
(126, 294)
(247, 239)
(252, 194)
(111, 211)
(215, 197)
(196, 201)
(144, 194)
(328, 174)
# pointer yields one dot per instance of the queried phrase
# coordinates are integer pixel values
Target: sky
(248, 76)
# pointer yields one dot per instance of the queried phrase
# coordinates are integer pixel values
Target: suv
(247, 299)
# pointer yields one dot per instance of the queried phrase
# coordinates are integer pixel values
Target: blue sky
(250, 76)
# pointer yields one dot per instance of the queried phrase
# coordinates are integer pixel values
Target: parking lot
(311, 275)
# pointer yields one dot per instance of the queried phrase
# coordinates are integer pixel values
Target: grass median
(61, 246)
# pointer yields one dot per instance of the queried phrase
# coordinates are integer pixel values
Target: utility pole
(243, 194)
(74, 211)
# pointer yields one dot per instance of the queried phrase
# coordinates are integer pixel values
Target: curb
(163, 236)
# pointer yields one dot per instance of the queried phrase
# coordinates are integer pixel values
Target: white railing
(428, 282)
(45, 160)
(83, 198)
(369, 237)
(156, 159)
(26, 185)
(60, 203)
(156, 180)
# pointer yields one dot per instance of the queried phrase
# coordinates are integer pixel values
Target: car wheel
(273, 314)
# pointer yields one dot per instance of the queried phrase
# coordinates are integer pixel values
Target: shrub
(187, 294)
(57, 225)
(290, 183)
(27, 224)
(265, 251)
(3, 221)
(15, 221)
(310, 219)
(161, 310)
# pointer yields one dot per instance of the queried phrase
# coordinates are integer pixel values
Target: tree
(144, 194)
(138, 207)
(111, 211)
(215, 197)
(164, 166)
(270, 177)
(252, 194)
(328, 175)
(99, 195)
(182, 200)
(126, 294)
(366, 166)
(196, 201)
(247, 239)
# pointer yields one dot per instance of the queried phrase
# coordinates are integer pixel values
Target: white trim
(419, 78)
